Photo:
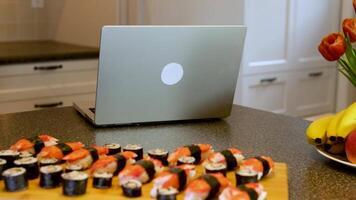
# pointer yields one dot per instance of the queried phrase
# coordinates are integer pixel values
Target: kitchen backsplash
(20, 21)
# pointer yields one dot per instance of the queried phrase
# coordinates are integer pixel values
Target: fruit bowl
(339, 159)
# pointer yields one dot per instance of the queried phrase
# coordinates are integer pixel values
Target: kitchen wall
(19, 21)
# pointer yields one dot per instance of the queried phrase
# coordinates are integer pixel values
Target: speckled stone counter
(255, 132)
(40, 51)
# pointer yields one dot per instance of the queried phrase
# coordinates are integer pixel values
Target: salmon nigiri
(198, 151)
(113, 164)
(59, 150)
(34, 145)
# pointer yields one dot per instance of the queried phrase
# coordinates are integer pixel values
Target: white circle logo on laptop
(172, 73)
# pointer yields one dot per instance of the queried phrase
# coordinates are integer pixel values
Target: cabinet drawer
(266, 92)
(44, 103)
(314, 91)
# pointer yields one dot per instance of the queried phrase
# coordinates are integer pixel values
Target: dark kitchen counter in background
(255, 132)
(41, 51)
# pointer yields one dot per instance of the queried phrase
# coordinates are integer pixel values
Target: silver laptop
(165, 73)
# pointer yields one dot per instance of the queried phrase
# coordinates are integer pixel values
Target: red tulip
(354, 3)
(349, 28)
(332, 47)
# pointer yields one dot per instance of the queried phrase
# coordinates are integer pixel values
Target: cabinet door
(267, 36)
(266, 92)
(314, 91)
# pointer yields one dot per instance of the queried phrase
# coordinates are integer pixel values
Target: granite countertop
(311, 176)
(40, 51)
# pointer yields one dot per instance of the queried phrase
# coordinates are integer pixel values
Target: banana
(348, 122)
(316, 132)
(331, 131)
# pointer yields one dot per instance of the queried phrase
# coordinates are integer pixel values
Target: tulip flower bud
(349, 28)
(332, 47)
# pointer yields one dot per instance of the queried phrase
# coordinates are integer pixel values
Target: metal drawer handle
(48, 105)
(316, 74)
(48, 68)
(268, 80)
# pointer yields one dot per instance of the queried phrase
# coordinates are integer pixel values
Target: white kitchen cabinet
(266, 92)
(32, 86)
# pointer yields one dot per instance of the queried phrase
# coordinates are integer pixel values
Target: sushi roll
(15, 179)
(167, 193)
(132, 188)
(207, 186)
(136, 148)
(50, 176)
(190, 160)
(102, 180)
(2, 167)
(74, 183)
(48, 161)
(33, 145)
(114, 148)
(31, 166)
(59, 150)
(113, 164)
(10, 156)
(212, 168)
(142, 170)
(71, 168)
(230, 157)
(83, 158)
(263, 165)
(198, 151)
(245, 175)
(159, 154)
(175, 177)
(26, 154)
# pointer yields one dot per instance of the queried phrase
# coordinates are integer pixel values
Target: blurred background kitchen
(49, 49)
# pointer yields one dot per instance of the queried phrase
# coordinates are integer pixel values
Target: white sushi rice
(51, 169)
(2, 161)
(247, 172)
(158, 152)
(75, 176)
(215, 166)
(48, 160)
(103, 175)
(133, 147)
(26, 161)
(167, 191)
(132, 184)
(187, 159)
(25, 154)
(74, 167)
(9, 153)
(113, 146)
(15, 171)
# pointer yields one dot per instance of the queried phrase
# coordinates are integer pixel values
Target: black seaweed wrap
(38, 144)
(265, 164)
(230, 160)
(251, 192)
(214, 185)
(149, 167)
(94, 154)
(182, 177)
(66, 149)
(195, 152)
(121, 163)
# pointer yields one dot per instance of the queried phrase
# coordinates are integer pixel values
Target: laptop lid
(167, 73)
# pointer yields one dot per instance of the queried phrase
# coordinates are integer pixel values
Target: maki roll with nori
(246, 175)
(102, 180)
(114, 148)
(132, 188)
(31, 166)
(59, 150)
(10, 156)
(167, 193)
(74, 183)
(198, 151)
(34, 145)
(71, 168)
(159, 154)
(15, 179)
(25, 154)
(230, 157)
(50, 176)
(263, 165)
(113, 164)
(190, 160)
(48, 161)
(2, 167)
(136, 148)
(142, 170)
(211, 168)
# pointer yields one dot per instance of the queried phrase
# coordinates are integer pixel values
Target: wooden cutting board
(276, 185)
